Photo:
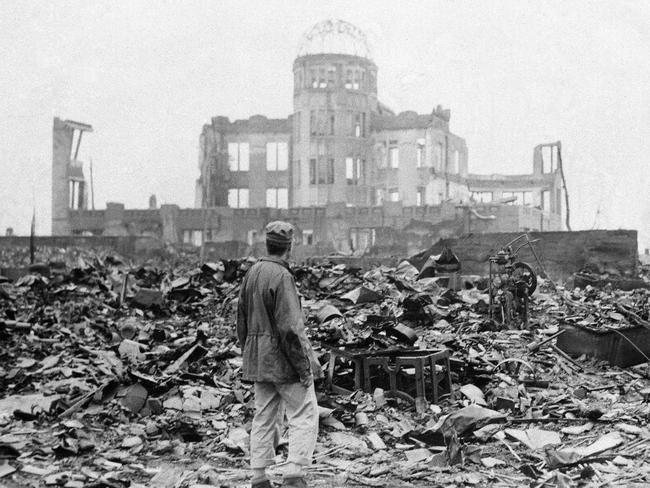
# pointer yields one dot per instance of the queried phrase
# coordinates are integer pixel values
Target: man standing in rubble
(278, 358)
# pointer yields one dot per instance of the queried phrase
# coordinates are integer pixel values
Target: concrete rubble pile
(114, 374)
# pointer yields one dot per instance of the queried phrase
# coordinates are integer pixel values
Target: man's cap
(279, 232)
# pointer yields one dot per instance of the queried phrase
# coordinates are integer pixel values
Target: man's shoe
(262, 484)
(297, 482)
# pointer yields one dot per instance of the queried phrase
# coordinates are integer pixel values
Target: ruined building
(347, 171)
(69, 189)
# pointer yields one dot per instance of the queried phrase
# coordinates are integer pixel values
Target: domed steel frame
(337, 37)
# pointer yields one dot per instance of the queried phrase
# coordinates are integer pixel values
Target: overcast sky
(148, 74)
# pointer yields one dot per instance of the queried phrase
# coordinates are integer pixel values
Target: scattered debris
(114, 373)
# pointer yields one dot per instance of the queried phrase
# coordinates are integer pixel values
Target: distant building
(344, 168)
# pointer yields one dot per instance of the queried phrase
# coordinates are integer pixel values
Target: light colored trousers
(272, 400)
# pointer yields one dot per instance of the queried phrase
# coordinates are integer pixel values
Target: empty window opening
(238, 156)
(277, 156)
(307, 237)
(419, 197)
(355, 170)
(76, 194)
(277, 198)
(393, 155)
(238, 197)
(549, 159)
(419, 156)
(349, 170)
(362, 239)
(393, 195)
(193, 237)
(482, 196)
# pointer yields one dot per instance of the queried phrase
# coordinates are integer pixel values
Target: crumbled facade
(347, 171)
(69, 188)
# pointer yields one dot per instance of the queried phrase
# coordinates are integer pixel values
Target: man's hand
(307, 381)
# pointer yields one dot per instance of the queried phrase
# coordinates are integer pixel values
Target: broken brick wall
(561, 253)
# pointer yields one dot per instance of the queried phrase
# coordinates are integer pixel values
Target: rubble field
(121, 374)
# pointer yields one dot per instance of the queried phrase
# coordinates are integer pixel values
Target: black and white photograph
(324, 244)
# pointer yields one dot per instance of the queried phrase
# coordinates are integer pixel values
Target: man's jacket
(270, 325)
